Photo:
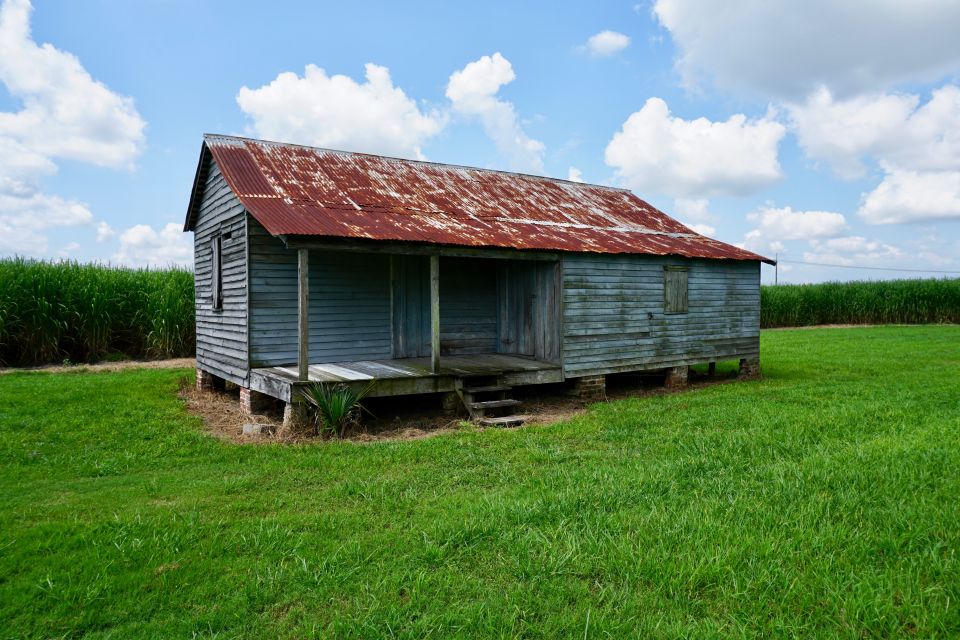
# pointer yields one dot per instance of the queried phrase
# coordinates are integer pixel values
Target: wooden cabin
(318, 265)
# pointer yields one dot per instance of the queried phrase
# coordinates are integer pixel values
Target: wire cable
(850, 266)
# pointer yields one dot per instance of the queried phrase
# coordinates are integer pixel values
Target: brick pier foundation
(296, 418)
(206, 381)
(452, 404)
(749, 368)
(677, 377)
(253, 401)
(590, 388)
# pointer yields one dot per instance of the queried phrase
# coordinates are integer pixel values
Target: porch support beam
(303, 314)
(435, 313)
(415, 249)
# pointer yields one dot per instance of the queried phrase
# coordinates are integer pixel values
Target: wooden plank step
(488, 389)
(493, 404)
(504, 421)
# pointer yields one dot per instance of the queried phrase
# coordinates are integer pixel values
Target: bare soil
(121, 365)
(826, 326)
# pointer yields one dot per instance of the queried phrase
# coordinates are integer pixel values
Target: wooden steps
(494, 404)
(488, 389)
(481, 395)
(503, 421)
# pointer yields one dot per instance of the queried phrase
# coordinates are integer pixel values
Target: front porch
(404, 376)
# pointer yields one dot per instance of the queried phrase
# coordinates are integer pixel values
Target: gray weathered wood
(616, 312)
(222, 345)
(435, 313)
(415, 249)
(406, 375)
(349, 304)
(303, 313)
(675, 289)
(369, 301)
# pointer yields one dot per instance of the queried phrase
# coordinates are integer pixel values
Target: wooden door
(529, 322)
(410, 293)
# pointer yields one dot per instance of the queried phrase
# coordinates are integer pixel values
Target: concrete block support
(206, 381)
(452, 404)
(677, 377)
(591, 388)
(296, 418)
(253, 401)
(749, 368)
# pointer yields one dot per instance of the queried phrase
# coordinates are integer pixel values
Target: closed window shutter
(675, 297)
(216, 272)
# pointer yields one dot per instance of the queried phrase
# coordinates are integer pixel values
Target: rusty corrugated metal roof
(294, 190)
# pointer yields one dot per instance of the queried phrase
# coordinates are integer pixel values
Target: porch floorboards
(401, 376)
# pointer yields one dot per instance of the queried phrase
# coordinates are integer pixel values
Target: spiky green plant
(336, 406)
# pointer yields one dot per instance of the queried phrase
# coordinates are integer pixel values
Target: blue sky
(819, 131)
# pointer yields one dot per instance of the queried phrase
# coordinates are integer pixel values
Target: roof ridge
(220, 136)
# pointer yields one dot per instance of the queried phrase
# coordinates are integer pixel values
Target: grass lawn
(822, 501)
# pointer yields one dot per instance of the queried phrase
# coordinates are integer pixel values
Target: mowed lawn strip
(823, 500)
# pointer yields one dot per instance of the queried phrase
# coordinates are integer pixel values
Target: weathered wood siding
(349, 304)
(486, 306)
(614, 318)
(221, 333)
(529, 316)
(468, 306)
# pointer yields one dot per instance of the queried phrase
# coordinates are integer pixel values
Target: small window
(675, 289)
(216, 272)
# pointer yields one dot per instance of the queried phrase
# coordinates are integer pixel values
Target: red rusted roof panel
(295, 190)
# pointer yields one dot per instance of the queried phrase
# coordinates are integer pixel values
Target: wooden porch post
(303, 317)
(435, 313)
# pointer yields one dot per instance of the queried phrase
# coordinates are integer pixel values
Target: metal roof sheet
(294, 190)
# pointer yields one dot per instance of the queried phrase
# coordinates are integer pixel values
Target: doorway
(487, 305)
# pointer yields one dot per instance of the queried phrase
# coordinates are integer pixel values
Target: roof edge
(238, 139)
(199, 178)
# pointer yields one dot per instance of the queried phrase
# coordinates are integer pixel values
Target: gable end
(196, 194)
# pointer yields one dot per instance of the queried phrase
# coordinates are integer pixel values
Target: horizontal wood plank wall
(614, 317)
(349, 304)
(221, 333)
(468, 306)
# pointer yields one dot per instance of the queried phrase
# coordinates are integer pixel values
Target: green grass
(879, 302)
(56, 311)
(822, 501)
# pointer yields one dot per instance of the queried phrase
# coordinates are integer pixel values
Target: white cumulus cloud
(788, 49)
(336, 111)
(144, 246)
(913, 196)
(65, 114)
(774, 226)
(693, 208)
(853, 250)
(702, 229)
(893, 128)
(574, 175)
(24, 219)
(695, 213)
(606, 43)
(104, 232)
(473, 92)
(657, 152)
